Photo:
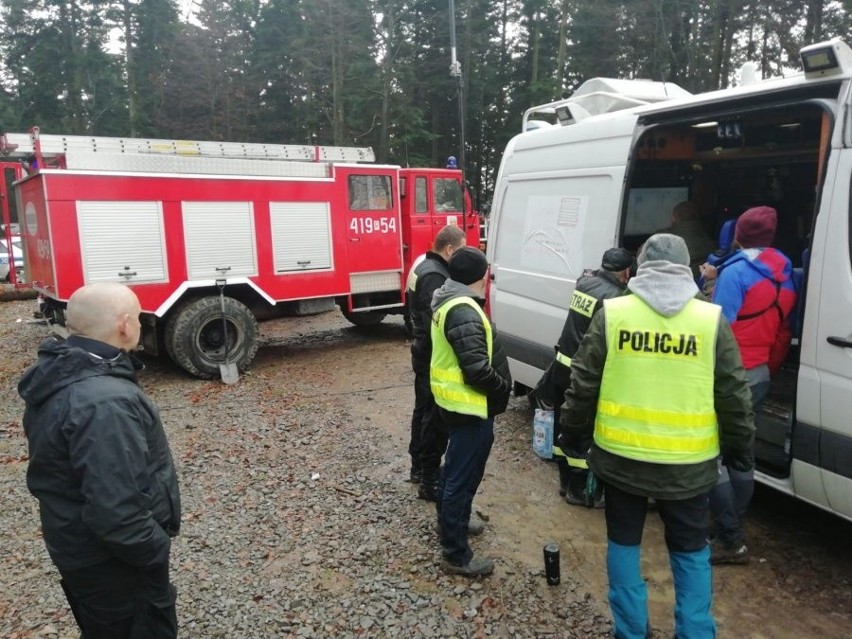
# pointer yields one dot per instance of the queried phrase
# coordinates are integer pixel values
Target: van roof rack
(604, 95)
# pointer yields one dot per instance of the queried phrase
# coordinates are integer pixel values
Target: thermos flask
(551, 564)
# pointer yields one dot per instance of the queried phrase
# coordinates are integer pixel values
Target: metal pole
(456, 72)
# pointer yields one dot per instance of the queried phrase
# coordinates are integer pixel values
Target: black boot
(415, 475)
(576, 493)
(428, 489)
(564, 475)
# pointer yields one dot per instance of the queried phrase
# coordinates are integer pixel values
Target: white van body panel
(556, 212)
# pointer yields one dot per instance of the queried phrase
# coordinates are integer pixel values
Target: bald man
(101, 469)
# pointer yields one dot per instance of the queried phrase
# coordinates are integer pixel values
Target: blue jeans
(464, 466)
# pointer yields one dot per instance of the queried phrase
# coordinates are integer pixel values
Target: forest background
(369, 72)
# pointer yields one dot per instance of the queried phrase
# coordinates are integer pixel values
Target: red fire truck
(202, 230)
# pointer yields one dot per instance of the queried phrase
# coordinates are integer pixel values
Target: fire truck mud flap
(195, 337)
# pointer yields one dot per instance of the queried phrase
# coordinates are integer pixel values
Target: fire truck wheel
(365, 318)
(195, 339)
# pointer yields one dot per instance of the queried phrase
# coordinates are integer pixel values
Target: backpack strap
(774, 304)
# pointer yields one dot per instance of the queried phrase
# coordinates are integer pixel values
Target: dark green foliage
(369, 72)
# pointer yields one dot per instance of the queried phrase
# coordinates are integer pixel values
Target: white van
(608, 174)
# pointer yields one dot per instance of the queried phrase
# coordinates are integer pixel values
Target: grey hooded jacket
(100, 465)
(665, 287)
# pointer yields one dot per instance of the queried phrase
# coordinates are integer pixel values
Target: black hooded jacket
(466, 335)
(600, 285)
(431, 274)
(100, 465)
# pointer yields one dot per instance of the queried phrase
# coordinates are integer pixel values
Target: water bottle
(551, 564)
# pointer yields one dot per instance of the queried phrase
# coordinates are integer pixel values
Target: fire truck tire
(365, 318)
(194, 337)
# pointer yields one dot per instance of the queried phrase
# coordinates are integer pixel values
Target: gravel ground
(296, 521)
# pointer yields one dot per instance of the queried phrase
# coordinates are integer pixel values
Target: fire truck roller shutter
(194, 338)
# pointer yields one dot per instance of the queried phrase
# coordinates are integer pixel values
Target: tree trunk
(387, 78)
(561, 54)
(69, 15)
(813, 21)
(129, 64)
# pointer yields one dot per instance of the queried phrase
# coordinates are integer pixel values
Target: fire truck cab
(204, 229)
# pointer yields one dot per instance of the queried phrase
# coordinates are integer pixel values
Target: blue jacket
(756, 292)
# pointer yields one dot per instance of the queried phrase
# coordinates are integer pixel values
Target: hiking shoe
(476, 567)
(721, 553)
(415, 476)
(475, 526)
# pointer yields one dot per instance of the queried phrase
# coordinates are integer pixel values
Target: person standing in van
(755, 289)
(686, 223)
(471, 383)
(592, 288)
(659, 384)
(428, 435)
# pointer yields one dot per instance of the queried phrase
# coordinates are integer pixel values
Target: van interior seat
(799, 277)
(726, 234)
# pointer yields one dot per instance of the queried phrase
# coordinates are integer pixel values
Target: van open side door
(825, 388)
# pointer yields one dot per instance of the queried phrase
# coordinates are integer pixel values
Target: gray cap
(616, 259)
(664, 246)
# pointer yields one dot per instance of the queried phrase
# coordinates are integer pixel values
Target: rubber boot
(693, 584)
(576, 489)
(564, 474)
(628, 594)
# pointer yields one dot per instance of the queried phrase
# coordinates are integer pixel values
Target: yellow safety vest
(656, 396)
(445, 374)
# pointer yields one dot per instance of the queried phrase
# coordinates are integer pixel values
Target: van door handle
(838, 341)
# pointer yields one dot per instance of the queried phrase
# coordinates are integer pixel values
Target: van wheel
(365, 318)
(195, 341)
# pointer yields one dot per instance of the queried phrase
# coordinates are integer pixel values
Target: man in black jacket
(428, 434)
(102, 471)
(471, 383)
(591, 289)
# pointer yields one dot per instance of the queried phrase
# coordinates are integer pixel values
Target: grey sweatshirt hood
(452, 289)
(664, 286)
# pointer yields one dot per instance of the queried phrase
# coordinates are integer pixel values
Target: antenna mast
(456, 72)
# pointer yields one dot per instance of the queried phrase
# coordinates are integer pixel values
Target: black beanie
(467, 265)
(616, 259)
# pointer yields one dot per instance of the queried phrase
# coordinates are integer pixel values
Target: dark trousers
(428, 432)
(114, 600)
(424, 405)
(686, 524)
(464, 466)
(731, 496)
(685, 520)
